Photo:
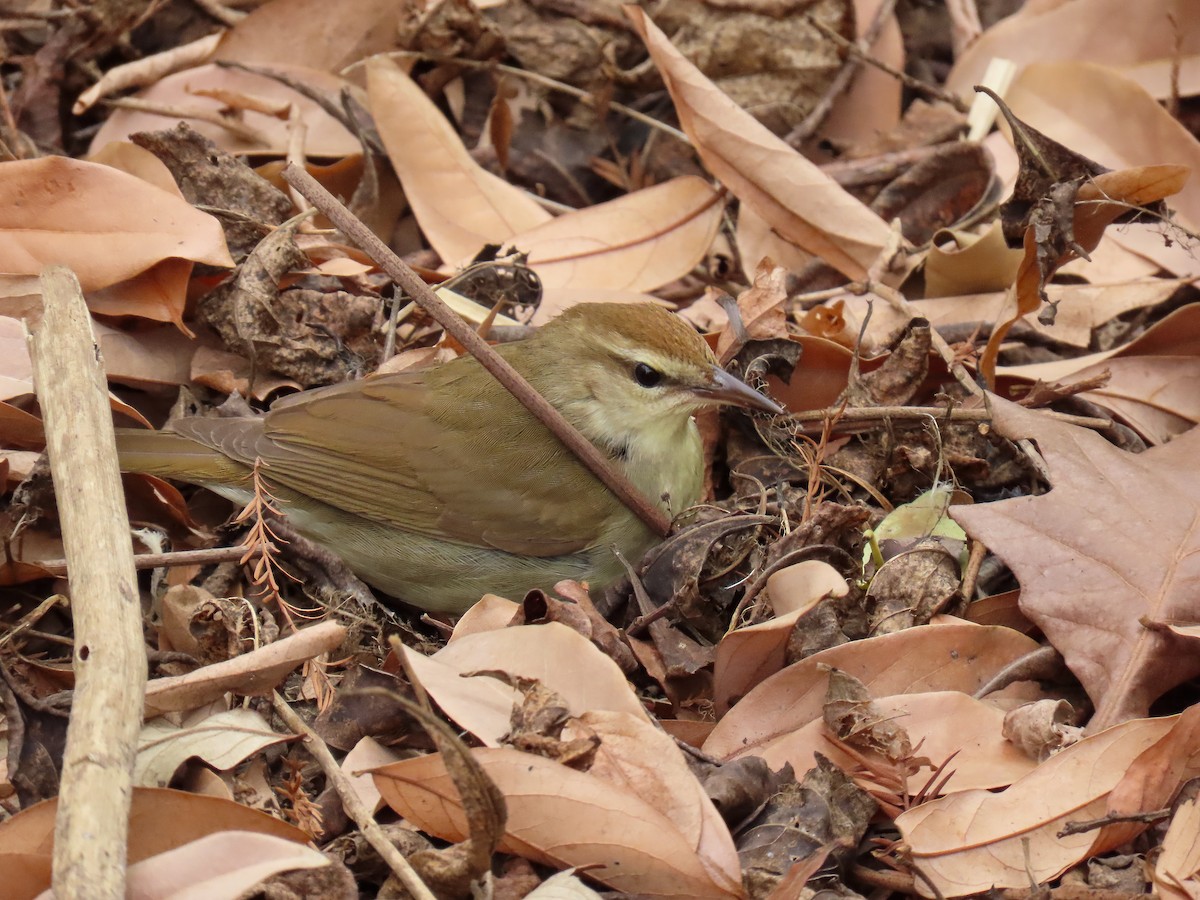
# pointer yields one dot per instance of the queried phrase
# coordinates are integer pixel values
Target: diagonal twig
(400, 272)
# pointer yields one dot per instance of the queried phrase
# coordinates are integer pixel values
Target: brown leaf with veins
(1108, 560)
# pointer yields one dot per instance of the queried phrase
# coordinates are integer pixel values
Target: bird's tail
(174, 456)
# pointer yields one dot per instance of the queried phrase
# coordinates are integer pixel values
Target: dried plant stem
(170, 111)
(91, 822)
(941, 414)
(363, 817)
(405, 277)
(58, 567)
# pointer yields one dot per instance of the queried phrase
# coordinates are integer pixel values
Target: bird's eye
(646, 376)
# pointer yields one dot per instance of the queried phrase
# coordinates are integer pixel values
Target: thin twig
(402, 274)
(957, 414)
(351, 802)
(171, 111)
(845, 75)
(58, 567)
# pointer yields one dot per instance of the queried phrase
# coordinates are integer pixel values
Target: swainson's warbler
(438, 486)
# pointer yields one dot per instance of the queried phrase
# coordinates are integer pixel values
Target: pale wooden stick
(92, 822)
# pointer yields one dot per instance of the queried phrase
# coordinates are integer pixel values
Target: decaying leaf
(1107, 559)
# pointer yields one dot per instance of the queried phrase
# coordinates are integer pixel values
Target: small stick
(58, 567)
(351, 803)
(942, 414)
(400, 272)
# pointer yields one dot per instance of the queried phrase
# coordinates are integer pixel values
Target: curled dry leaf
(1097, 204)
(748, 655)
(560, 817)
(940, 724)
(459, 205)
(802, 204)
(255, 673)
(978, 840)
(960, 657)
(1177, 869)
(1151, 385)
(1101, 114)
(324, 137)
(1042, 728)
(222, 740)
(1106, 559)
(223, 864)
(106, 225)
(159, 820)
(562, 659)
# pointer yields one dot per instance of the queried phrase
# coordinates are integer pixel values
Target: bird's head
(634, 365)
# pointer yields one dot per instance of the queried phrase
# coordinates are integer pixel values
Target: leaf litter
(789, 693)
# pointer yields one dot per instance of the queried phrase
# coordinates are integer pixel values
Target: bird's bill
(726, 388)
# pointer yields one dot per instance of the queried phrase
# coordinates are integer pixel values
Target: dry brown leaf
(159, 820)
(560, 817)
(1098, 202)
(979, 840)
(18, 427)
(941, 723)
(1106, 559)
(254, 673)
(326, 36)
(222, 739)
(821, 376)
(747, 656)
(637, 242)
(1141, 42)
(481, 704)
(1153, 779)
(459, 205)
(324, 135)
(492, 612)
(148, 357)
(1042, 728)
(644, 761)
(1152, 379)
(802, 204)
(1106, 117)
(561, 659)
(223, 864)
(762, 311)
(1081, 307)
(1177, 869)
(958, 657)
(366, 755)
(106, 225)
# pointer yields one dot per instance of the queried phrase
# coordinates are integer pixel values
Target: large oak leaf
(1108, 560)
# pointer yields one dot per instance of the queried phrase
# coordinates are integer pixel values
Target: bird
(438, 486)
